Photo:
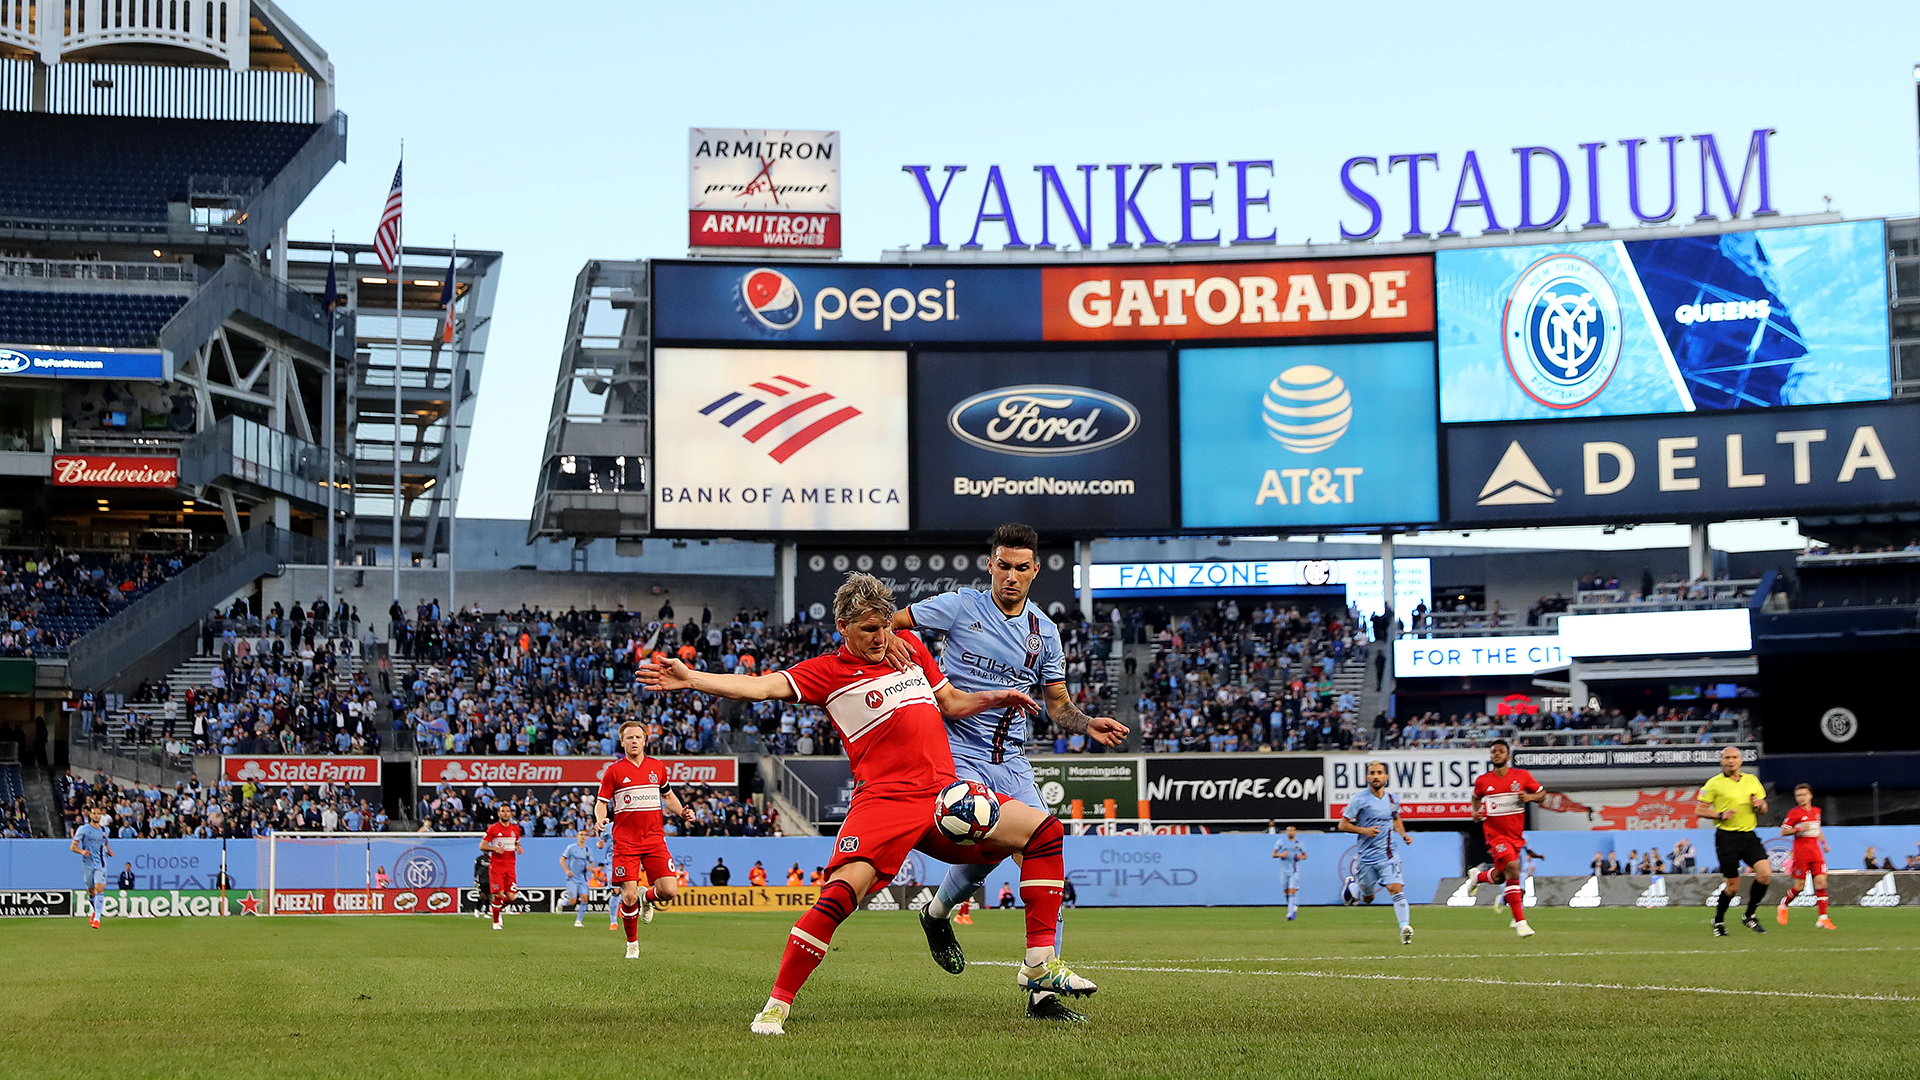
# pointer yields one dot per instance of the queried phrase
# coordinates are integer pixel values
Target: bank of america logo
(1515, 481)
(793, 403)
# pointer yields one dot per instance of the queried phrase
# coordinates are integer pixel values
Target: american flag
(447, 297)
(386, 237)
(812, 410)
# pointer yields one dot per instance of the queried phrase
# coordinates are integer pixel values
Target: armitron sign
(280, 770)
(74, 470)
(564, 771)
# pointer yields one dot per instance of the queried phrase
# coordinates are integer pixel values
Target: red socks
(630, 921)
(1043, 879)
(1820, 898)
(1486, 877)
(652, 896)
(807, 941)
(496, 913)
(1514, 894)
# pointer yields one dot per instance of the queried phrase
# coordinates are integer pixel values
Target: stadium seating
(100, 319)
(110, 168)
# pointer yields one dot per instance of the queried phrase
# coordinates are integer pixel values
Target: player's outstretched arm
(671, 674)
(959, 703)
(1067, 717)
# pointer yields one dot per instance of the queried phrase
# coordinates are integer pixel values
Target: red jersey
(889, 720)
(503, 854)
(1500, 798)
(1806, 839)
(632, 794)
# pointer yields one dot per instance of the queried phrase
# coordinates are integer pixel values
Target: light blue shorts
(578, 888)
(1011, 777)
(1290, 880)
(1373, 875)
(94, 875)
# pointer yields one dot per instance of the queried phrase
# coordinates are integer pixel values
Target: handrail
(795, 791)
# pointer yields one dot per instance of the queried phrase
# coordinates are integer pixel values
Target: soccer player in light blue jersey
(574, 861)
(601, 854)
(1291, 849)
(90, 843)
(996, 640)
(1374, 815)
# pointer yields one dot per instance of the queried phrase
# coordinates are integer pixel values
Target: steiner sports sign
(564, 771)
(278, 770)
(97, 470)
(763, 189)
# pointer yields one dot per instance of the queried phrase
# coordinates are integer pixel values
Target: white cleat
(497, 926)
(1521, 928)
(1056, 977)
(771, 1020)
(1406, 935)
(633, 950)
(646, 909)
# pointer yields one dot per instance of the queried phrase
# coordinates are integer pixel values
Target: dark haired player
(890, 722)
(502, 845)
(1500, 798)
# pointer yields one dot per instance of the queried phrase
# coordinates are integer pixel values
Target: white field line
(1522, 952)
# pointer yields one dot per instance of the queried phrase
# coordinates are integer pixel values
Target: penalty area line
(1553, 984)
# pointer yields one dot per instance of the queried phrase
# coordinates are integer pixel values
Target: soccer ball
(966, 811)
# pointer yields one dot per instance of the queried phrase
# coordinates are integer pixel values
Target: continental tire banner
(365, 902)
(35, 903)
(1847, 888)
(1092, 780)
(788, 898)
(1236, 787)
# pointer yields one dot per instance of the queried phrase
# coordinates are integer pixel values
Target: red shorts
(1809, 865)
(629, 866)
(1503, 851)
(500, 880)
(882, 829)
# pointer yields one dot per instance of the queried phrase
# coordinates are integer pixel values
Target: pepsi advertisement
(1308, 435)
(1070, 443)
(1692, 467)
(1737, 320)
(708, 301)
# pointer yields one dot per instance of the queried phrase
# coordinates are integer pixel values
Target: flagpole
(399, 286)
(453, 435)
(333, 474)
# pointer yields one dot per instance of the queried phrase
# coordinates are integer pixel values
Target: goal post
(351, 862)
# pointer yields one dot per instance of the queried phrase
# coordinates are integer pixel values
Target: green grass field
(1185, 993)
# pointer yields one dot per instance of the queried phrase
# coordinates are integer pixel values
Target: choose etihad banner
(1687, 467)
(762, 440)
(1308, 435)
(1757, 318)
(1071, 442)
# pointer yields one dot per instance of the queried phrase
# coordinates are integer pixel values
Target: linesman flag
(386, 237)
(447, 297)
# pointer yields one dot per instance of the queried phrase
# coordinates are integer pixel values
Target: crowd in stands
(48, 599)
(227, 809)
(1230, 680)
(1682, 859)
(1666, 725)
(716, 812)
(15, 821)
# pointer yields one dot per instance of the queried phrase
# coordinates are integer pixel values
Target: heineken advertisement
(1092, 780)
(157, 904)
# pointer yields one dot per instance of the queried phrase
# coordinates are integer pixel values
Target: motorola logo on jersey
(771, 299)
(1561, 332)
(1044, 420)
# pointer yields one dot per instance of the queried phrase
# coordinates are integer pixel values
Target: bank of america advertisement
(1767, 317)
(1066, 442)
(774, 441)
(1307, 435)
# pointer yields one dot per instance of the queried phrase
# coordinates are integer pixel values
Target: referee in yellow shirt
(1732, 801)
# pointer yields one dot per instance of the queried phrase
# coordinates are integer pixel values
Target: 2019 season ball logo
(1307, 408)
(1561, 331)
(771, 299)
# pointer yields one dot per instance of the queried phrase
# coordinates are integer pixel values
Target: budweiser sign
(564, 771)
(77, 470)
(279, 770)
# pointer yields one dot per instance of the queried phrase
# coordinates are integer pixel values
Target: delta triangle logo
(1655, 895)
(1460, 897)
(1515, 481)
(1883, 894)
(1588, 896)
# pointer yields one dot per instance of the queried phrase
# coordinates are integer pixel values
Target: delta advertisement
(761, 440)
(1433, 785)
(1695, 466)
(1750, 319)
(1070, 443)
(1305, 436)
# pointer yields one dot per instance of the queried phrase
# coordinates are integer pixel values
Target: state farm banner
(1432, 784)
(282, 769)
(1235, 787)
(564, 771)
(365, 901)
(114, 470)
(1193, 301)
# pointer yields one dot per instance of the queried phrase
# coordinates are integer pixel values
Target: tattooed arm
(1068, 717)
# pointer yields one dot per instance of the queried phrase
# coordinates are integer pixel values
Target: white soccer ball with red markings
(966, 811)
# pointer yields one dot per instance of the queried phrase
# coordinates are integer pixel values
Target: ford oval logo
(1041, 421)
(12, 362)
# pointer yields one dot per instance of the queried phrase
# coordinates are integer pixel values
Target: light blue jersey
(93, 847)
(987, 650)
(1378, 811)
(575, 859)
(1291, 852)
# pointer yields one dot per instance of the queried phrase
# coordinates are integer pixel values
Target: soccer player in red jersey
(1500, 798)
(890, 723)
(502, 844)
(1809, 854)
(633, 790)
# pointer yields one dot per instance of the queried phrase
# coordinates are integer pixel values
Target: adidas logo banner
(1588, 896)
(1845, 889)
(1882, 894)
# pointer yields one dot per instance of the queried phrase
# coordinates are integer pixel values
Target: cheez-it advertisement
(1295, 299)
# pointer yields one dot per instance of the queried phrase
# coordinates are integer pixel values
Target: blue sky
(557, 133)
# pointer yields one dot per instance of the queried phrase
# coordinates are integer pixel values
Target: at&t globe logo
(1561, 331)
(771, 299)
(1307, 408)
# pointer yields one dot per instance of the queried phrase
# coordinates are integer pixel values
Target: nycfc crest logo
(1561, 331)
(1034, 643)
(1839, 724)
